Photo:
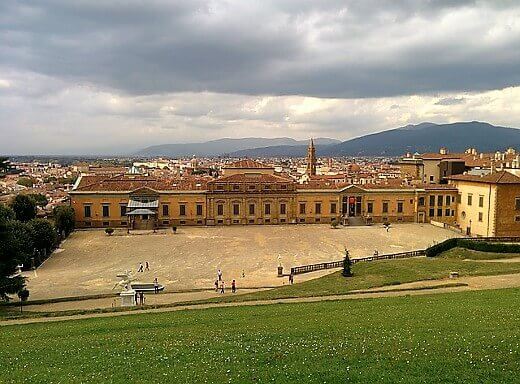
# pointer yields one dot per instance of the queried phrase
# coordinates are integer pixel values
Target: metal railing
(339, 264)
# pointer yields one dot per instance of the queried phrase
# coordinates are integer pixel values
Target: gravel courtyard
(89, 261)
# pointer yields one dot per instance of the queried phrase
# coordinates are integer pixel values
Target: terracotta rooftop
(252, 178)
(132, 183)
(500, 177)
(248, 163)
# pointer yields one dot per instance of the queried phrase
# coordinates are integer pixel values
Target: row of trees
(27, 240)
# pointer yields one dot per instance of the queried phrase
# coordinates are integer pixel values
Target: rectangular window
(470, 198)
(399, 207)
(302, 208)
(166, 210)
(236, 209)
(448, 200)
(385, 206)
(432, 201)
(182, 209)
(431, 179)
(87, 211)
(236, 187)
(220, 209)
(370, 207)
(421, 201)
(199, 209)
(251, 209)
(333, 208)
(106, 210)
(439, 212)
(440, 199)
(267, 209)
(431, 212)
(123, 210)
(283, 209)
(517, 203)
(318, 208)
(447, 212)
(459, 198)
(481, 201)
(480, 216)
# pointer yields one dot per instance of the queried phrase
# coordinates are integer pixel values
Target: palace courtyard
(88, 261)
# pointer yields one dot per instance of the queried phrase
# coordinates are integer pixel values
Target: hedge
(482, 246)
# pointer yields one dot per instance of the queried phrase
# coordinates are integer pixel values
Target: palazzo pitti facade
(251, 193)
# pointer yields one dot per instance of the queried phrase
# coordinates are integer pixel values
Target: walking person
(140, 269)
(291, 279)
(156, 285)
(234, 286)
(219, 275)
(222, 286)
(216, 285)
(146, 266)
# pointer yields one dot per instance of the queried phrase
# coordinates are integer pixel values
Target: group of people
(220, 284)
(145, 267)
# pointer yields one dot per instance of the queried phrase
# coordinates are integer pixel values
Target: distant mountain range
(222, 147)
(424, 137)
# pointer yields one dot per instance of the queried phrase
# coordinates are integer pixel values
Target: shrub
(437, 249)
(482, 246)
(109, 231)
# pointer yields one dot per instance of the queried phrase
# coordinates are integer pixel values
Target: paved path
(474, 283)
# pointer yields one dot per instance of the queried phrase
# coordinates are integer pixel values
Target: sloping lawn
(469, 337)
(390, 272)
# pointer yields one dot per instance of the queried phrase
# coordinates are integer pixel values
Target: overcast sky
(91, 77)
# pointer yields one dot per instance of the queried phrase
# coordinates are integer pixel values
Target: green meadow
(469, 337)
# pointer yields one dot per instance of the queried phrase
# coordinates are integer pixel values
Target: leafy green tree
(45, 236)
(4, 166)
(39, 199)
(64, 219)
(22, 239)
(9, 254)
(6, 213)
(25, 181)
(24, 207)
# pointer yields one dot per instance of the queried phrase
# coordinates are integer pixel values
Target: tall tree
(6, 213)
(39, 199)
(5, 165)
(22, 239)
(24, 207)
(64, 219)
(45, 236)
(9, 284)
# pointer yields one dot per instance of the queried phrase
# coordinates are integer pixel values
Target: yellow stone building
(249, 192)
(488, 205)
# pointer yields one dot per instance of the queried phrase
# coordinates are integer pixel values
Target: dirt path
(473, 283)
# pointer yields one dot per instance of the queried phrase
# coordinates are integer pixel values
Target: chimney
(493, 169)
(443, 151)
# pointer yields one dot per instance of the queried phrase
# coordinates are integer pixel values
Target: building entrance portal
(351, 206)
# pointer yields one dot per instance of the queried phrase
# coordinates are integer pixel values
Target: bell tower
(311, 159)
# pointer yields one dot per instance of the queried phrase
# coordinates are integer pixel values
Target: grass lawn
(390, 272)
(469, 337)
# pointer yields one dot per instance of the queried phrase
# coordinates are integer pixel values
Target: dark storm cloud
(328, 49)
